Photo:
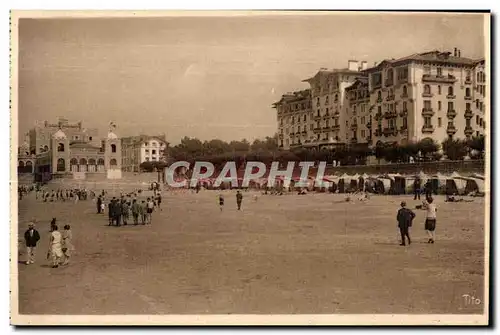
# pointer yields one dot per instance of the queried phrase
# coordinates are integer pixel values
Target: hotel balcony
(377, 85)
(379, 100)
(336, 113)
(354, 126)
(317, 117)
(354, 140)
(304, 132)
(336, 127)
(404, 96)
(427, 112)
(390, 115)
(317, 129)
(378, 132)
(451, 96)
(403, 113)
(451, 130)
(369, 125)
(326, 128)
(438, 79)
(292, 133)
(390, 132)
(427, 129)
(468, 80)
(451, 114)
(378, 116)
(468, 97)
(403, 129)
(280, 136)
(468, 130)
(369, 139)
(327, 115)
(388, 83)
(390, 97)
(468, 114)
(427, 95)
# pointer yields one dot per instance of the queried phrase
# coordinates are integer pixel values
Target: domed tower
(113, 156)
(60, 152)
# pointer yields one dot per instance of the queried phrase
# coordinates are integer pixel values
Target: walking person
(417, 185)
(55, 247)
(144, 212)
(111, 212)
(430, 220)
(150, 207)
(99, 203)
(67, 245)
(31, 237)
(428, 189)
(158, 201)
(405, 218)
(239, 199)
(125, 212)
(221, 202)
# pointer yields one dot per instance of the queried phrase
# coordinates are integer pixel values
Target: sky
(207, 77)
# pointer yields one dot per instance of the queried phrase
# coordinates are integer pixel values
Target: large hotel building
(434, 95)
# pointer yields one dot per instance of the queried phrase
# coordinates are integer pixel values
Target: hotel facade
(435, 95)
(143, 148)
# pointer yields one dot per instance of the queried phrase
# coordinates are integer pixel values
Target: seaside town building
(142, 148)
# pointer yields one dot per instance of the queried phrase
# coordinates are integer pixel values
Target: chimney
(352, 65)
(455, 52)
(459, 53)
(364, 65)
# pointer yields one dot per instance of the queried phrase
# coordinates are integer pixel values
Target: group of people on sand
(119, 210)
(60, 244)
(239, 200)
(405, 217)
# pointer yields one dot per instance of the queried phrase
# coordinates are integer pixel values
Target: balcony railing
(390, 115)
(304, 132)
(390, 132)
(426, 129)
(280, 136)
(388, 83)
(378, 132)
(468, 97)
(439, 78)
(468, 130)
(354, 126)
(354, 140)
(468, 114)
(468, 80)
(451, 114)
(369, 125)
(427, 112)
(427, 95)
(404, 95)
(336, 127)
(317, 117)
(378, 116)
(292, 133)
(451, 96)
(451, 130)
(390, 97)
(403, 113)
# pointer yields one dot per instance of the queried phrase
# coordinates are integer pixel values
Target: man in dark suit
(31, 237)
(405, 217)
(99, 203)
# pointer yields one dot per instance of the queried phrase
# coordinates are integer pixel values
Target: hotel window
(336, 97)
(154, 152)
(327, 111)
(427, 121)
(146, 151)
(405, 106)
(427, 89)
(467, 106)
(311, 126)
(427, 104)
(305, 129)
(439, 71)
(467, 92)
(405, 123)
(450, 90)
(326, 99)
(439, 105)
(147, 159)
(467, 123)
(439, 89)
(379, 109)
(405, 91)
(305, 117)
(363, 133)
(362, 120)
(427, 70)
(439, 122)
(450, 105)
(477, 119)
(90, 138)
(293, 119)
(379, 95)
(477, 103)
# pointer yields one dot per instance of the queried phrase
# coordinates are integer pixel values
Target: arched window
(83, 161)
(60, 147)
(21, 164)
(427, 89)
(100, 161)
(336, 97)
(29, 166)
(73, 165)
(45, 148)
(113, 147)
(390, 76)
(73, 161)
(61, 165)
(405, 90)
(450, 90)
(112, 162)
(92, 161)
(478, 76)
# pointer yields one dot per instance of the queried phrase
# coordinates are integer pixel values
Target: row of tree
(219, 152)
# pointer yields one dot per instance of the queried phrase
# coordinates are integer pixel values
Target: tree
(454, 149)
(477, 144)
(427, 147)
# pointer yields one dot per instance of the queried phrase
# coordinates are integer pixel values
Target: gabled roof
(360, 82)
(293, 97)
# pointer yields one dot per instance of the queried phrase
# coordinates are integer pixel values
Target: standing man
(405, 217)
(417, 185)
(430, 219)
(31, 237)
(428, 189)
(135, 211)
(239, 199)
(150, 205)
(99, 203)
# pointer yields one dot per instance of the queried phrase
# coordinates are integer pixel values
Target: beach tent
(399, 183)
(386, 184)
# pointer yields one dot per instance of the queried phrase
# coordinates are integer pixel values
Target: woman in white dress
(55, 246)
(67, 246)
